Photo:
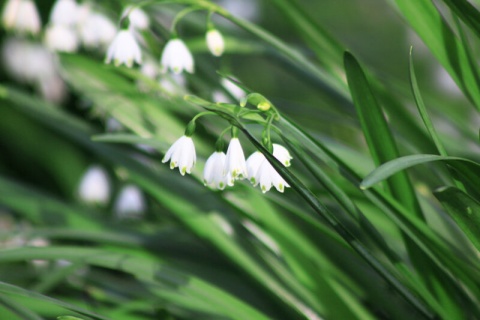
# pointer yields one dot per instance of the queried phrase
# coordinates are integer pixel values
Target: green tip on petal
(184, 169)
(252, 180)
(221, 185)
(280, 187)
(173, 165)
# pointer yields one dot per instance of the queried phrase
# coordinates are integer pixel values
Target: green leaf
(467, 167)
(422, 109)
(463, 209)
(377, 133)
(429, 24)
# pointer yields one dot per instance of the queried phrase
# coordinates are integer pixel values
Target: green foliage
(354, 236)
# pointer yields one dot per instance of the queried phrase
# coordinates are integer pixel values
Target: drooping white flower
(182, 155)
(96, 30)
(27, 61)
(215, 42)
(124, 49)
(235, 165)
(213, 173)
(282, 154)
(260, 171)
(21, 16)
(130, 202)
(176, 57)
(138, 18)
(267, 177)
(253, 164)
(64, 12)
(59, 37)
(94, 187)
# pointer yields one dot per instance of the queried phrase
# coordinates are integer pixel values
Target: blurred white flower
(21, 16)
(235, 165)
(33, 64)
(65, 13)
(138, 18)
(173, 83)
(59, 37)
(130, 203)
(96, 30)
(94, 188)
(213, 175)
(215, 42)
(176, 57)
(124, 49)
(182, 155)
(231, 88)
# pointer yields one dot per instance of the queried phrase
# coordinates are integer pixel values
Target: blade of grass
(464, 210)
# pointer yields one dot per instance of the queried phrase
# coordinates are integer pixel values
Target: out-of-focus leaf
(463, 209)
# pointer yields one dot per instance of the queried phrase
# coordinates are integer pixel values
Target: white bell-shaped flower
(260, 171)
(213, 175)
(253, 164)
(137, 17)
(215, 42)
(96, 30)
(182, 155)
(282, 154)
(21, 16)
(124, 49)
(94, 187)
(235, 165)
(64, 12)
(176, 57)
(59, 37)
(267, 177)
(130, 203)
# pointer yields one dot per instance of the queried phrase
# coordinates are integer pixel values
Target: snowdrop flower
(235, 165)
(253, 164)
(138, 18)
(96, 30)
(130, 202)
(64, 12)
(267, 176)
(260, 171)
(21, 16)
(94, 187)
(282, 154)
(213, 175)
(215, 42)
(59, 37)
(124, 49)
(176, 57)
(182, 155)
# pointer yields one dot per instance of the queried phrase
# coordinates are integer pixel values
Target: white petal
(182, 155)
(124, 49)
(253, 164)
(177, 57)
(95, 186)
(282, 154)
(215, 42)
(235, 162)
(64, 12)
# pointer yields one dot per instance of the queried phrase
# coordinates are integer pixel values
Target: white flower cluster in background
(222, 170)
(21, 16)
(95, 188)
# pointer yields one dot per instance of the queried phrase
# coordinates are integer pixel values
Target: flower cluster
(21, 16)
(222, 170)
(176, 56)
